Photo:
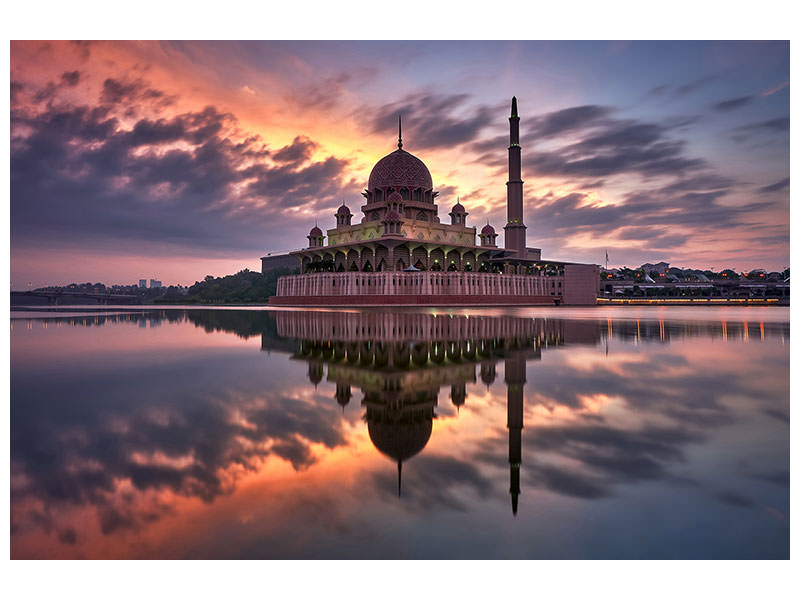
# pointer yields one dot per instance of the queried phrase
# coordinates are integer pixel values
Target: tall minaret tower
(515, 229)
(515, 381)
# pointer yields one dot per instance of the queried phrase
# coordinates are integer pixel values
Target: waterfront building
(402, 254)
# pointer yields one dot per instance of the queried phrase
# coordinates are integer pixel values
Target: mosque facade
(402, 254)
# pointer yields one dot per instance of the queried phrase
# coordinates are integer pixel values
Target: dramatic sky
(176, 160)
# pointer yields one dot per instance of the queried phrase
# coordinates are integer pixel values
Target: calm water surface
(521, 433)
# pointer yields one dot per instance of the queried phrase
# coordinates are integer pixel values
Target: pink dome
(458, 208)
(487, 230)
(343, 210)
(316, 232)
(400, 169)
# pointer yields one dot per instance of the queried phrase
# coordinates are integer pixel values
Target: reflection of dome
(400, 440)
(400, 169)
(487, 229)
(316, 232)
(343, 210)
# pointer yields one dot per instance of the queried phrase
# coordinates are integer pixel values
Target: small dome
(392, 216)
(458, 208)
(487, 230)
(343, 210)
(400, 169)
(316, 232)
(395, 197)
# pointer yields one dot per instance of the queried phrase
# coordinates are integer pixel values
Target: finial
(514, 106)
(399, 132)
(399, 475)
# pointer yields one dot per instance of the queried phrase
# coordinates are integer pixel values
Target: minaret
(515, 382)
(515, 228)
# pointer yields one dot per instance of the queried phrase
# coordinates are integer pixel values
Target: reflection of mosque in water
(401, 361)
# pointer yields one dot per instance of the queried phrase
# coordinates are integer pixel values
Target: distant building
(273, 262)
(155, 283)
(143, 283)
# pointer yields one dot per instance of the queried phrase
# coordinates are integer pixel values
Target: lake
(556, 433)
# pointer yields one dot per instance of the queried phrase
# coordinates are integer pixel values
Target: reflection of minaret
(515, 380)
(343, 394)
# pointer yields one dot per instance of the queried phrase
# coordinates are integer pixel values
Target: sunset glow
(177, 160)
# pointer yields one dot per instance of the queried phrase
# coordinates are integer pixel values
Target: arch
(436, 260)
(339, 260)
(420, 256)
(468, 261)
(352, 260)
(402, 253)
(381, 255)
(340, 268)
(381, 266)
(453, 260)
(367, 268)
(367, 255)
(421, 216)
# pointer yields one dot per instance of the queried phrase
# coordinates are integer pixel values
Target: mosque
(402, 254)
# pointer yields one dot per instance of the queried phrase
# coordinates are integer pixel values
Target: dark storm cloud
(430, 481)
(116, 91)
(565, 482)
(432, 121)
(595, 145)
(775, 187)
(732, 104)
(298, 152)
(568, 119)
(182, 180)
(617, 147)
(692, 201)
(71, 78)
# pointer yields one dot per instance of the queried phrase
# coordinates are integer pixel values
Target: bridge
(55, 297)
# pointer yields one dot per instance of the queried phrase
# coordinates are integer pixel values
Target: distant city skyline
(197, 158)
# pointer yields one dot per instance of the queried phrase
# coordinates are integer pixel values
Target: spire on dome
(399, 476)
(399, 132)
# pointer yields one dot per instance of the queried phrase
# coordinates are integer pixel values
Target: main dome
(400, 169)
